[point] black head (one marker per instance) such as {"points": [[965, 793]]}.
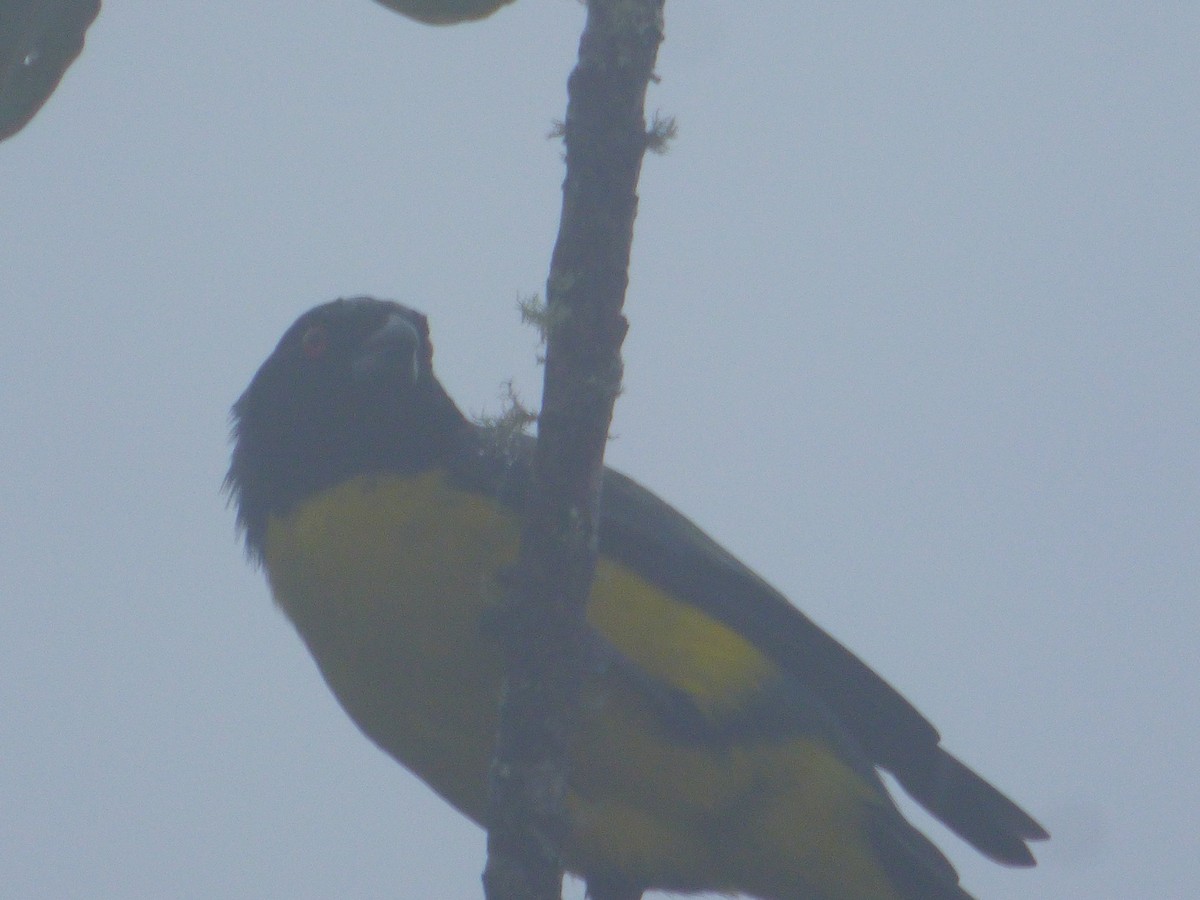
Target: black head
{"points": [[348, 391]]}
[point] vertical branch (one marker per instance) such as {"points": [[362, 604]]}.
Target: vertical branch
{"points": [[543, 629]]}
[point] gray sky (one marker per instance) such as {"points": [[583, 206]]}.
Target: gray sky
{"points": [[915, 333]]}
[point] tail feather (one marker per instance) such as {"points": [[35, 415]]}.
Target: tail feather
{"points": [[973, 809], [916, 867]]}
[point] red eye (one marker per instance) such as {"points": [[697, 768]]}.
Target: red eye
{"points": [[315, 341]]}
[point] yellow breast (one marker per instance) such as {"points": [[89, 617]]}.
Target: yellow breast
{"points": [[388, 580]]}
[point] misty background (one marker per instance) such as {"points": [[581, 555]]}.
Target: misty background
{"points": [[914, 333]]}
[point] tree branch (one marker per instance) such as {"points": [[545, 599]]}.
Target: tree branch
{"points": [[543, 627]]}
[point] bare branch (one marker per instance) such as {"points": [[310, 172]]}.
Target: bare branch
{"points": [[544, 635]]}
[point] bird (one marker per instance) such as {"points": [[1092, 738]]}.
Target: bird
{"points": [[723, 742], [445, 12]]}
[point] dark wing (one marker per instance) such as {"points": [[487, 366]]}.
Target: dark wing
{"points": [[652, 538]]}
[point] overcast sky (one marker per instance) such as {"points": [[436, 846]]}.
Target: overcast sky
{"points": [[915, 332]]}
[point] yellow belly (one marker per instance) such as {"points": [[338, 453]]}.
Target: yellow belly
{"points": [[388, 579]]}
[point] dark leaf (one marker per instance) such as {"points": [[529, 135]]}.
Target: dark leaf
{"points": [[39, 39]]}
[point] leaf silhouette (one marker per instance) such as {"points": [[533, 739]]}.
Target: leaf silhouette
{"points": [[39, 39]]}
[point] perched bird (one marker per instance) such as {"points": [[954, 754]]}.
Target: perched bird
{"points": [[445, 12], [723, 741]]}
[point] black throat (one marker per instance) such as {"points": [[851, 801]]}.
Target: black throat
{"points": [[285, 452]]}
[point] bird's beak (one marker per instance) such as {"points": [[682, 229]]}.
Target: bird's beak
{"points": [[390, 351]]}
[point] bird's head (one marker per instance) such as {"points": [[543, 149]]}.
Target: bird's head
{"points": [[349, 390]]}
